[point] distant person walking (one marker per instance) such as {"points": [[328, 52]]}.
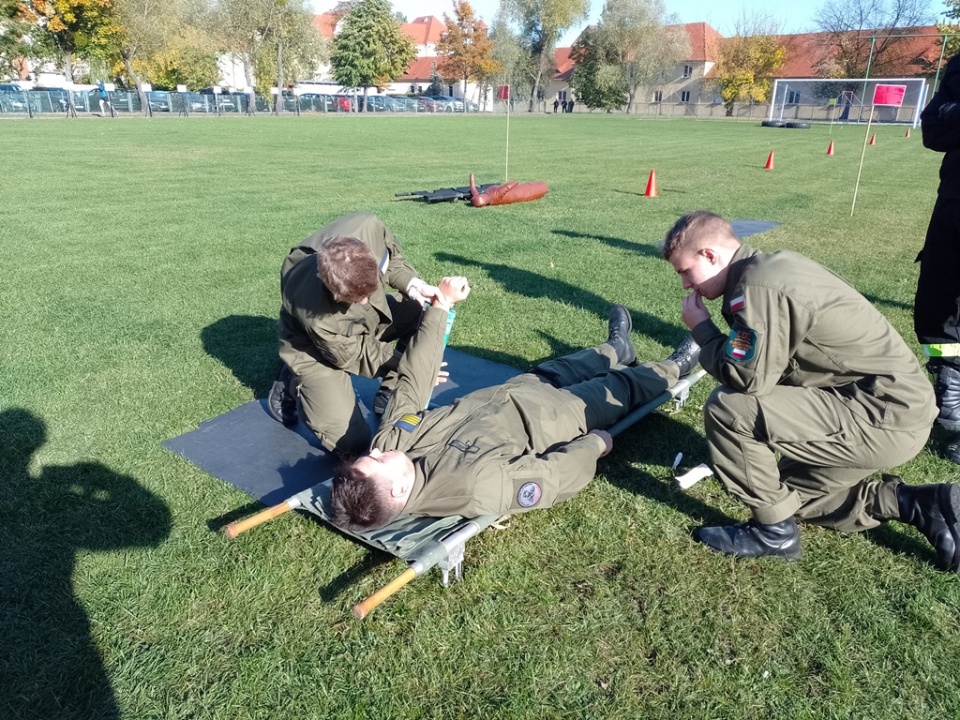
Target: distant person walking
{"points": [[556, 104], [104, 100]]}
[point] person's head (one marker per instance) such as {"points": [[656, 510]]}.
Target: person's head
{"points": [[371, 491], [700, 246], [348, 269]]}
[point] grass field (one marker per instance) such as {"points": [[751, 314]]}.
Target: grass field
{"points": [[140, 262]]}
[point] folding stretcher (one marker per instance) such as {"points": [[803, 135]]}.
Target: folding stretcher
{"points": [[425, 542]]}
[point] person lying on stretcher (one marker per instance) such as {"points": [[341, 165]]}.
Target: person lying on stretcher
{"points": [[529, 443]]}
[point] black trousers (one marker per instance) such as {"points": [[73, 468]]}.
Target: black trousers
{"points": [[936, 313]]}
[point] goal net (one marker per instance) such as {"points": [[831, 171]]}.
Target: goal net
{"points": [[844, 100]]}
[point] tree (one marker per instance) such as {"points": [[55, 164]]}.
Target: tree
{"points": [[465, 50], [148, 26], [541, 22], [642, 40], [952, 44], [597, 78], [295, 45], [509, 54], [370, 50], [849, 27], [14, 38], [188, 60], [747, 61], [436, 83], [71, 29]]}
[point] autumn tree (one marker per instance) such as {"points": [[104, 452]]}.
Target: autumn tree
{"points": [[370, 50], [951, 29], [510, 56], [15, 31], [465, 50], [148, 26], [747, 61], [851, 28], [67, 30], [189, 59], [540, 24]]}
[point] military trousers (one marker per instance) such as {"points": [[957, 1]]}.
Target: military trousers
{"points": [[803, 452], [329, 405], [607, 393]]}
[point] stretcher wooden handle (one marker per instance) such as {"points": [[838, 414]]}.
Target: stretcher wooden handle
{"points": [[235, 528], [362, 609]]}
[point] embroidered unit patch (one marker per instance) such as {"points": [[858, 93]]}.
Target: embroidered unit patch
{"points": [[738, 303], [741, 345], [529, 494], [408, 422]]}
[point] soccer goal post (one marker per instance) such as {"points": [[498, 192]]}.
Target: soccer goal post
{"points": [[844, 100]]}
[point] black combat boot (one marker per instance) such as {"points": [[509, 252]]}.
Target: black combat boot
{"points": [[933, 510], [686, 356], [947, 390], [752, 539], [621, 324], [281, 403]]}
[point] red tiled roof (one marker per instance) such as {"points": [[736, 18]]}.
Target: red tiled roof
{"points": [[424, 30], [806, 50], [704, 42], [420, 68], [326, 23]]}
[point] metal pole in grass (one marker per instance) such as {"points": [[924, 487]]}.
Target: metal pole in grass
{"points": [[506, 162]]}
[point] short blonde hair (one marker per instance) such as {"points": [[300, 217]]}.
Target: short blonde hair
{"points": [[693, 229]]}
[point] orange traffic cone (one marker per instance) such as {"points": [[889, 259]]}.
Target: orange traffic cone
{"points": [[830, 148], [907, 134], [769, 165], [651, 190], [873, 139]]}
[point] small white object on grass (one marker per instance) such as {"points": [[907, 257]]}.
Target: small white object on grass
{"points": [[691, 477]]}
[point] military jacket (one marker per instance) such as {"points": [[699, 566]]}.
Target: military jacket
{"points": [[342, 335], [510, 448], [793, 322]]}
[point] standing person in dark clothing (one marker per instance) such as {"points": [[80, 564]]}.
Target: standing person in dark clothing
{"points": [[337, 320], [817, 391], [936, 314]]}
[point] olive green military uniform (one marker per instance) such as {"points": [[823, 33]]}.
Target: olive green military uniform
{"points": [[514, 447], [323, 341], [812, 371]]}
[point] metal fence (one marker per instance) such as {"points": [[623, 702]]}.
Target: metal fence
{"points": [[161, 102]]}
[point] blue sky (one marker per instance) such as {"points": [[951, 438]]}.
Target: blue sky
{"points": [[794, 16]]}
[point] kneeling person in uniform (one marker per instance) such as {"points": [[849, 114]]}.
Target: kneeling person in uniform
{"points": [[817, 391], [337, 320], [529, 443]]}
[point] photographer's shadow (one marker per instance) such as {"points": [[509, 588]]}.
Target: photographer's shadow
{"points": [[49, 664], [247, 345]]}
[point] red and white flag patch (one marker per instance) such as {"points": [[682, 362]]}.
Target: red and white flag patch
{"points": [[738, 303]]}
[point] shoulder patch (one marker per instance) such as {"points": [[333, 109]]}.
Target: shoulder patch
{"points": [[741, 345], [529, 494], [738, 303], [408, 422]]}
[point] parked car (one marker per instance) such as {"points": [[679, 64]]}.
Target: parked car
{"points": [[447, 103], [224, 100], [160, 101], [382, 103], [430, 104], [12, 98], [318, 102], [405, 103]]}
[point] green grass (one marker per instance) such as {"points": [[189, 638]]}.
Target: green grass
{"points": [[139, 292]]}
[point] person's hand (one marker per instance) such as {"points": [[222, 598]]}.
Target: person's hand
{"points": [[607, 440], [455, 288], [694, 311], [420, 291], [443, 375]]}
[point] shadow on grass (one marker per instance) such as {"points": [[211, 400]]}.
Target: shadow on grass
{"points": [[532, 285], [899, 304], [644, 249], [655, 440], [246, 344], [49, 665]]}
